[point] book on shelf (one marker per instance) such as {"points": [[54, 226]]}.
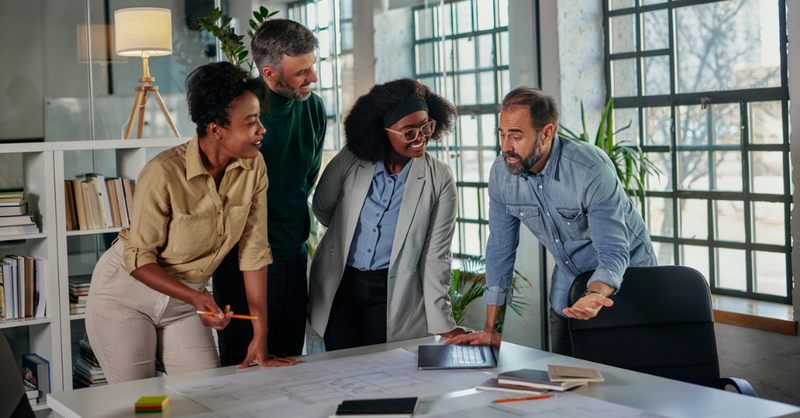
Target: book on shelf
{"points": [[78, 293], [91, 201], [18, 230], [105, 207], [121, 203], [36, 372], [493, 385], [2, 296], [14, 209], [14, 195], [112, 201], [87, 371], [30, 391], [69, 205], [15, 220], [24, 287], [78, 201], [537, 379]]}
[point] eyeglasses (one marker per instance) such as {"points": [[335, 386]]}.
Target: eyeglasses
{"points": [[411, 134]]}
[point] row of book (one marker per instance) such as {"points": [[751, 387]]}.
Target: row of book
{"points": [[98, 202], [15, 219], [23, 287], [78, 293], [87, 371]]}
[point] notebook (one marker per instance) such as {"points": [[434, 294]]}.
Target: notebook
{"points": [[431, 357]]}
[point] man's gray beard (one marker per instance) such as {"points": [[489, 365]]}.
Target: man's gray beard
{"points": [[524, 164], [285, 90]]}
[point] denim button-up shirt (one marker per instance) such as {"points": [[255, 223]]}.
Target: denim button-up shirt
{"points": [[578, 210]]}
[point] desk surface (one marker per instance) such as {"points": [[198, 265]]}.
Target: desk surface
{"points": [[654, 394]]}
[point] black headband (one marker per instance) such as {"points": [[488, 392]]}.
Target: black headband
{"points": [[212, 113], [404, 109]]}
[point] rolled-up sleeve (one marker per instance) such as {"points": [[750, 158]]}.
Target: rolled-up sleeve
{"points": [[254, 249], [607, 225], [149, 218]]}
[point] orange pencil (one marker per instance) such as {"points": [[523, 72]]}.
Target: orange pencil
{"points": [[528, 398], [232, 316]]}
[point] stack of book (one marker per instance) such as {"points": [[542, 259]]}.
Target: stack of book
{"points": [[98, 202], [78, 293], [15, 219], [31, 393], [558, 378], [23, 288], [87, 371], [36, 374]]}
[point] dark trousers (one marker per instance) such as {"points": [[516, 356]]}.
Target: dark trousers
{"points": [[358, 312], [559, 334], [287, 308]]}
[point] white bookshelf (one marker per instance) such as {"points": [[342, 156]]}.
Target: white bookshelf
{"points": [[45, 167]]}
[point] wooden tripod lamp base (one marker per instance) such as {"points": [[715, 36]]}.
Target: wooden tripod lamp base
{"points": [[142, 93]]}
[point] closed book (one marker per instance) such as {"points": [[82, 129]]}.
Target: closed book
{"points": [[14, 220], [36, 371], [10, 199], [123, 210], [112, 201], [9, 287], [573, 374], [30, 287], [20, 208], [18, 230], [69, 205], [493, 385], [40, 299], [2, 297], [392, 407], [105, 206], [92, 202], [12, 192], [80, 210], [537, 379], [127, 188]]}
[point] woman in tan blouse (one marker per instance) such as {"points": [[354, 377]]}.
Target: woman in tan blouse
{"points": [[193, 203]]}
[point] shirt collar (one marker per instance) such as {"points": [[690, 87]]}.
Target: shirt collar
{"points": [[551, 167], [194, 162], [401, 176]]}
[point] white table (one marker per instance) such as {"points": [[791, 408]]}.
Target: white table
{"points": [[658, 395]]}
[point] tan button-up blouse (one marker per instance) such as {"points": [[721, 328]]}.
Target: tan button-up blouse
{"points": [[181, 222]]}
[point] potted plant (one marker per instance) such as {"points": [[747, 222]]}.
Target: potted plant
{"points": [[231, 43]]}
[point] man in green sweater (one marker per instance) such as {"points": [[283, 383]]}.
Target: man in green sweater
{"points": [[292, 148]]}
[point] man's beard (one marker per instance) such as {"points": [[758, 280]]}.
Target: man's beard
{"points": [[285, 90], [526, 163]]}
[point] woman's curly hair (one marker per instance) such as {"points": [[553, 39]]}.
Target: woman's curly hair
{"points": [[363, 126], [209, 85]]}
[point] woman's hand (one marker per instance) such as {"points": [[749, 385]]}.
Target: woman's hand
{"points": [[455, 332], [474, 338], [220, 319], [257, 352]]}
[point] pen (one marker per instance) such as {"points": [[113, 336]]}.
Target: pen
{"points": [[528, 398], [232, 316]]}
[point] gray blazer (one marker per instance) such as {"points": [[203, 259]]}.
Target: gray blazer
{"points": [[419, 268]]}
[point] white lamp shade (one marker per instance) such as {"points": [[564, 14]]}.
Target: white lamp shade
{"points": [[143, 31]]}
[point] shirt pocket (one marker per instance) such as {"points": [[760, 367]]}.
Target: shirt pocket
{"points": [[192, 235], [237, 218], [572, 224], [528, 215]]}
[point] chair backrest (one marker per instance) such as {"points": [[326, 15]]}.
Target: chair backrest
{"points": [[661, 324]]}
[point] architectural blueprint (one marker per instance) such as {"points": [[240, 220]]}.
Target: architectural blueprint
{"points": [[381, 375]]}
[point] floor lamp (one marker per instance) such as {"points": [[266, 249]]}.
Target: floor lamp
{"points": [[144, 32]]}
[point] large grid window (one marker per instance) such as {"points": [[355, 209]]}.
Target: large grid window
{"points": [[704, 85], [331, 22], [461, 52]]}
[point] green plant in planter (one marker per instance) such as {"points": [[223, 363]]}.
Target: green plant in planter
{"points": [[469, 282], [629, 160], [231, 43]]}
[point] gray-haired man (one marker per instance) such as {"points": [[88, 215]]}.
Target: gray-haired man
{"points": [[292, 148]]}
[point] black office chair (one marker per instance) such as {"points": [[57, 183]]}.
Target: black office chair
{"points": [[661, 324]]}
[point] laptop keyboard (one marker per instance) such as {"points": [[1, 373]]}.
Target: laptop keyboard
{"points": [[467, 354]]}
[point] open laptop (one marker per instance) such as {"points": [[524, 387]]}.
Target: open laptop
{"points": [[462, 356]]}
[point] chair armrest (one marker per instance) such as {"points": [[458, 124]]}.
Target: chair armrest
{"points": [[742, 386]]}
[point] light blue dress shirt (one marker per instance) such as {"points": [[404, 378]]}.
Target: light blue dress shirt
{"points": [[578, 210], [371, 247]]}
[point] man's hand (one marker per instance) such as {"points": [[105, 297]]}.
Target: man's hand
{"points": [[473, 338], [257, 352], [589, 305], [457, 331]]}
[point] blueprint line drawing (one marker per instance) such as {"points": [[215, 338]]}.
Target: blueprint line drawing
{"points": [[381, 375]]}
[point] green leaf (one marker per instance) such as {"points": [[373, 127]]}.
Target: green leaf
{"points": [[250, 33], [272, 14], [227, 22], [256, 15], [264, 11], [583, 121], [240, 49], [242, 56], [253, 25]]}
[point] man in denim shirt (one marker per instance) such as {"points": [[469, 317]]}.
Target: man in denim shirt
{"points": [[568, 194]]}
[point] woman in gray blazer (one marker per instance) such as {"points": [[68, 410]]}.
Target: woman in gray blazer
{"points": [[382, 270]]}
